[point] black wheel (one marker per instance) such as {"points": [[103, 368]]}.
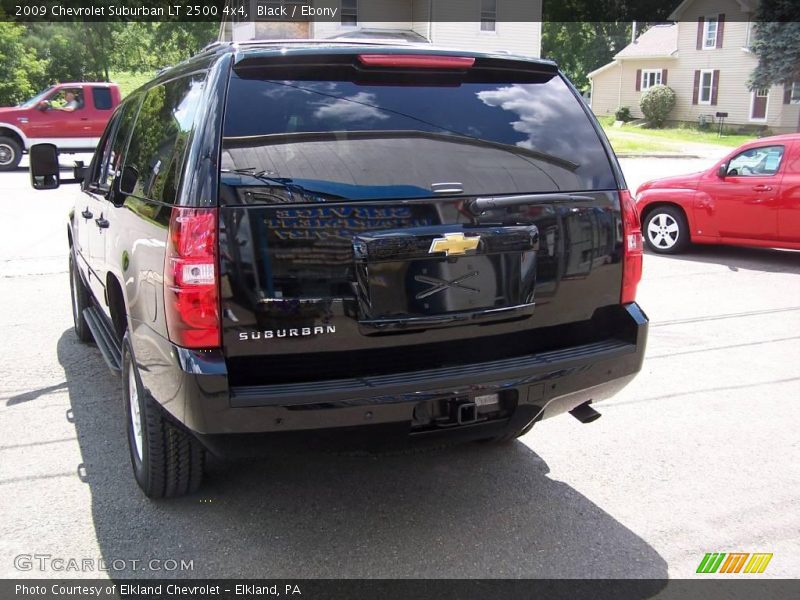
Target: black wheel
{"points": [[80, 301], [665, 230], [167, 461], [10, 153]]}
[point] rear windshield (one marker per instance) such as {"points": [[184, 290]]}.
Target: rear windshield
{"points": [[316, 139]]}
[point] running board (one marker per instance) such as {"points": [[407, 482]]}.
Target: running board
{"points": [[105, 338]]}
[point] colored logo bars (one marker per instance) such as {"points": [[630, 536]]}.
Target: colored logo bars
{"points": [[734, 562]]}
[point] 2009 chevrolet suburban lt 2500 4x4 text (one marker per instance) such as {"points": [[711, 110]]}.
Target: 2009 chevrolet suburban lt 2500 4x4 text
{"points": [[71, 116], [289, 241]]}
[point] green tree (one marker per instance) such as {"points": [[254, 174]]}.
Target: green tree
{"points": [[776, 43], [656, 104], [22, 74], [581, 47]]}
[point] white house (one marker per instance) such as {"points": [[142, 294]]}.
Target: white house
{"points": [[704, 56], [486, 25]]}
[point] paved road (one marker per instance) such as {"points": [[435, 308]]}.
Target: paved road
{"points": [[699, 454]]}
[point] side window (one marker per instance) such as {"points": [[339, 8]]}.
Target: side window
{"points": [[158, 145], [102, 98], [755, 162], [113, 164], [102, 153], [67, 99]]}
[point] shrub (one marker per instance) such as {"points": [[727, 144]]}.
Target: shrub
{"points": [[623, 114], [656, 103]]}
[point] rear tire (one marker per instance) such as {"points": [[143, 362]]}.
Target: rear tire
{"points": [[10, 154], [80, 301], [665, 230], [167, 461]]}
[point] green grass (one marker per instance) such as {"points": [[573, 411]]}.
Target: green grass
{"points": [[691, 134], [129, 81], [637, 139]]}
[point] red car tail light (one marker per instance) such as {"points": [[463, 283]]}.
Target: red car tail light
{"points": [[416, 61], [631, 247], [191, 297]]}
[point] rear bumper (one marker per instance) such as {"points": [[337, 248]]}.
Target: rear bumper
{"points": [[541, 386]]}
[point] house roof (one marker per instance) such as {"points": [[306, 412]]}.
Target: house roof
{"points": [[658, 41], [747, 6]]}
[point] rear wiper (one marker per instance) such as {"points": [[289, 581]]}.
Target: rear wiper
{"points": [[481, 205]]}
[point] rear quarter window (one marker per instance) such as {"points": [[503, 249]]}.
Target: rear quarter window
{"points": [[335, 137], [102, 98], [160, 137]]}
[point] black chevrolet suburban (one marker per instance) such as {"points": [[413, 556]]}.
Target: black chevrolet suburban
{"points": [[289, 243]]}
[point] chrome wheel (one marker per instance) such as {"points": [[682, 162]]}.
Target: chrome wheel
{"points": [[663, 231], [136, 417], [6, 155]]}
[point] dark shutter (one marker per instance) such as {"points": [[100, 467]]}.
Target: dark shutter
{"points": [[700, 21], [714, 87], [663, 77], [720, 29], [696, 91], [787, 92], [638, 79]]}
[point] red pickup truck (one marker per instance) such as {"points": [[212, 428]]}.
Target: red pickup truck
{"points": [[70, 115]]}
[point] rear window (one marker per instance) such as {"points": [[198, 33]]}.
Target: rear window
{"points": [[102, 98], [334, 138]]}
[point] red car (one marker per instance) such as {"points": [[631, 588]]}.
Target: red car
{"points": [[749, 198], [70, 115]]}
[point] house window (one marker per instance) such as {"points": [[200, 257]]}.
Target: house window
{"points": [[706, 85], [488, 15], [650, 77], [349, 13], [795, 97], [710, 27]]}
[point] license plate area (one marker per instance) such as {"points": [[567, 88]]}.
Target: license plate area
{"points": [[405, 279]]}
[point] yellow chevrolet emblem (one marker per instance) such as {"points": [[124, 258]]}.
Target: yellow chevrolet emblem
{"points": [[454, 244]]}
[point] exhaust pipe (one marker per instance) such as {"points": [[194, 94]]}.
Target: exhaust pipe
{"points": [[585, 413]]}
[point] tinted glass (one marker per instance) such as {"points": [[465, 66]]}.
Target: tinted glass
{"points": [[102, 98], [160, 137], [335, 138], [113, 163]]}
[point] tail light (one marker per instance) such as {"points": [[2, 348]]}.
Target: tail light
{"points": [[631, 248], [191, 297], [416, 61]]}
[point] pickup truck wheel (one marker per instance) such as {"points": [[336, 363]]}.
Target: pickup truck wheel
{"points": [[80, 301], [167, 461], [666, 230], [10, 154]]}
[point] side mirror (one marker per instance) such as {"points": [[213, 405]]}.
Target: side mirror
{"points": [[722, 172], [45, 174], [79, 171], [43, 105], [124, 185]]}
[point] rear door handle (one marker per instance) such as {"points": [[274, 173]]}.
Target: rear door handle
{"points": [[762, 188], [86, 214], [102, 223]]}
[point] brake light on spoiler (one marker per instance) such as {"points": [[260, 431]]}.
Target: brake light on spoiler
{"points": [[416, 61], [631, 247]]}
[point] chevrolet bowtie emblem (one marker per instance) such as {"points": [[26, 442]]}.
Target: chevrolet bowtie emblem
{"points": [[454, 244]]}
